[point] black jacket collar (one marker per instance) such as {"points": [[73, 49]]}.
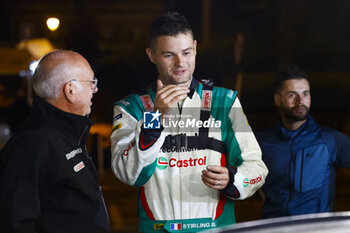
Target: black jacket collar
{"points": [[73, 124]]}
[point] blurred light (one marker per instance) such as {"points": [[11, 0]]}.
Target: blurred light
{"points": [[52, 23], [33, 66], [22, 73]]}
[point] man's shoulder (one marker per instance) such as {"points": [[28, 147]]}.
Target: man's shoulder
{"points": [[127, 100], [135, 104], [35, 129], [224, 93], [30, 138], [212, 84], [331, 132], [327, 129], [135, 97], [222, 89]]}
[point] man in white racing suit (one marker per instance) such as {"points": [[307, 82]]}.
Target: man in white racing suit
{"points": [[185, 143]]}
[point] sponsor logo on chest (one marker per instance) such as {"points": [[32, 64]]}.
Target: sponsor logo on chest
{"points": [[79, 166], [73, 153], [147, 102], [206, 100], [163, 163]]}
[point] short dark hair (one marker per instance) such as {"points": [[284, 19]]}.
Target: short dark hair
{"points": [[170, 24], [289, 72]]}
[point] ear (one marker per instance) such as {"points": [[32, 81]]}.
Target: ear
{"points": [[195, 47], [69, 91], [149, 54], [277, 98]]}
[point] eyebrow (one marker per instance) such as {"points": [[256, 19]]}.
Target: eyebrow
{"points": [[164, 52], [189, 48], [297, 91]]}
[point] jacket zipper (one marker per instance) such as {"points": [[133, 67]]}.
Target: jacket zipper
{"points": [[291, 168], [81, 136], [301, 172]]}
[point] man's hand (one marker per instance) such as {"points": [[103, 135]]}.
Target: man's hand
{"points": [[168, 96], [215, 177]]}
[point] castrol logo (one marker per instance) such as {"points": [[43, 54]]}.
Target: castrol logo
{"points": [[163, 163], [247, 182]]}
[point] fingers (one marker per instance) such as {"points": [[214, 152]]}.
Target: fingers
{"points": [[168, 96], [219, 185], [166, 90], [172, 91], [215, 184], [215, 177], [217, 169], [160, 85]]}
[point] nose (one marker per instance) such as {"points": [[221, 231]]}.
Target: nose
{"points": [[299, 100], [94, 90], [178, 60]]}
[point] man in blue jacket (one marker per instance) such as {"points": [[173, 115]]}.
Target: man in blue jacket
{"points": [[300, 154]]}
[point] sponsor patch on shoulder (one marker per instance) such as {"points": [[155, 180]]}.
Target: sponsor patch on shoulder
{"points": [[117, 117], [116, 127], [79, 166]]}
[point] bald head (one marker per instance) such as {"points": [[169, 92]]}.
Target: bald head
{"points": [[65, 79], [54, 70]]}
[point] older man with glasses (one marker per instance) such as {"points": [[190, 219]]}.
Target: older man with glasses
{"points": [[48, 182]]}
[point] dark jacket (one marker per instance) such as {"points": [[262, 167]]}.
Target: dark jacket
{"points": [[48, 182], [301, 167]]}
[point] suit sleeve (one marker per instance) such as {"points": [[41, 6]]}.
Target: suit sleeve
{"points": [[134, 150], [245, 154]]}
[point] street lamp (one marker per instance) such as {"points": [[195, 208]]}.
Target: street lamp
{"points": [[52, 23]]}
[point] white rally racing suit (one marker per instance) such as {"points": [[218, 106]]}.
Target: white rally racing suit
{"points": [[172, 196]]}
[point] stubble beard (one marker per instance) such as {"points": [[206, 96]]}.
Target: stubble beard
{"points": [[171, 80], [295, 117]]}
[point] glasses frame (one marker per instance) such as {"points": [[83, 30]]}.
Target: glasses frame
{"points": [[94, 82]]}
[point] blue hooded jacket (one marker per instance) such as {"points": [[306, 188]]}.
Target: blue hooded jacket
{"points": [[301, 167]]}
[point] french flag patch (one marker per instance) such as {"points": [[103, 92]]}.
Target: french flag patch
{"points": [[175, 226]]}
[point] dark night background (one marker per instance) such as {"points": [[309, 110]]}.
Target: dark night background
{"points": [[113, 36]]}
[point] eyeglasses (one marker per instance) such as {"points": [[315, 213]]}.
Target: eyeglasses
{"points": [[93, 82]]}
